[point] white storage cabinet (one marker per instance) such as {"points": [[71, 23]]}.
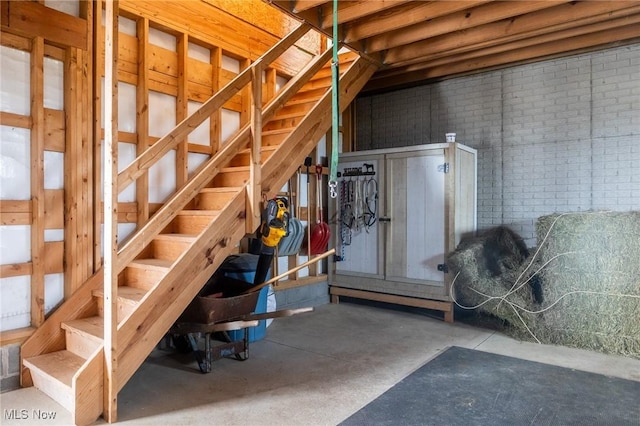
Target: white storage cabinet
{"points": [[398, 212]]}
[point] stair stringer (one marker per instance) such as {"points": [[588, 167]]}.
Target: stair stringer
{"points": [[316, 123], [139, 333], [88, 390]]}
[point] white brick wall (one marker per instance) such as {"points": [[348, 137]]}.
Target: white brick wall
{"points": [[554, 136]]}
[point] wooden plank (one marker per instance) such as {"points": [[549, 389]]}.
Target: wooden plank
{"points": [[13, 40], [37, 182], [33, 19], [15, 120], [54, 130], [402, 16], [54, 262], [88, 390], [215, 120], [97, 132], [15, 270], [392, 298], [17, 335], [353, 10], [54, 208], [142, 118], [182, 109], [15, 212], [254, 191], [459, 21], [110, 387]]}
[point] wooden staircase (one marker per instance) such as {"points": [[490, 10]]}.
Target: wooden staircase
{"points": [[166, 262]]}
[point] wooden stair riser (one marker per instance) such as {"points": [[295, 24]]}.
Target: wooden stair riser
{"points": [[284, 123], [56, 390], [244, 158], [187, 224], [211, 200], [123, 308], [235, 178], [53, 374], [168, 248], [140, 278], [81, 345], [275, 138]]}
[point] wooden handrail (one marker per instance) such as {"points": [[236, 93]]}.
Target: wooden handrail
{"points": [[155, 152]]}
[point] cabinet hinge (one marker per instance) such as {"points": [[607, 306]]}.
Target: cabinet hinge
{"points": [[443, 168]]}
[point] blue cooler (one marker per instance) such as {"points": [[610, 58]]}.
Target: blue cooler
{"points": [[243, 267]]}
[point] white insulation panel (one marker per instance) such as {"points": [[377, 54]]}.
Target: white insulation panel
{"points": [[53, 84], [230, 123], [15, 244], [15, 89], [53, 170], [70, 7], [126, 107], [15, 170], [201, 135], [199, 53], [15, 293], [53, 291], [162, 39]]}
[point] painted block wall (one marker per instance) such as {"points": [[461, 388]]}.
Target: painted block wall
{"points": [[554, 136]]}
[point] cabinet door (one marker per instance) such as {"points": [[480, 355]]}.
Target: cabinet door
{"points": [[416, 208], [358, 237]]}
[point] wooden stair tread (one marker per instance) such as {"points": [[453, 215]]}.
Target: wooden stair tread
{"points": [[288, 115], [224, 188], [91, 327], [60, 365], [212, 213], [128, 294], [264, 148], [177, 237], [278, 131], [151, 264]]}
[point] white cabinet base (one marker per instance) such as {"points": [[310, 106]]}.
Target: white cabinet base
{"points": [[445, 307]]}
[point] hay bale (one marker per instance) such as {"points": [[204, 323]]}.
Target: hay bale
{"points": [[589, 267], [486, 268], [594, 274]]}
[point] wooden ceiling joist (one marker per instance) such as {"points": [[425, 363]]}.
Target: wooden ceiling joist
{"points": [[412, 39]]}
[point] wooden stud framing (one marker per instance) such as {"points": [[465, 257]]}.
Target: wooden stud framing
{"points": [[215, 131], [254, 208], [37, 181], [110, 212], [182, 109], [142, 117]]}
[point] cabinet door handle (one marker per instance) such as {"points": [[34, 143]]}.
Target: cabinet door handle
{"points": [[384, 219]]}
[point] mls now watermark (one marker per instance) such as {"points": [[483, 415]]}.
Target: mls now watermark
{"points": [[24, 414]]}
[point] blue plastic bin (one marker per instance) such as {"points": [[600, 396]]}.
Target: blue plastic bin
{"points": [[243, 267]]}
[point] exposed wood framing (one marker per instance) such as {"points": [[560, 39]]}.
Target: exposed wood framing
{"points": [[182, 109], [142, 118], [37, 182], [110, 387]]}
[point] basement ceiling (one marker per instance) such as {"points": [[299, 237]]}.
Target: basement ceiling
{"points": [[414, 41]]}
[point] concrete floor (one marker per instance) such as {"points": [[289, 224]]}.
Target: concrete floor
{"points": [[312, 369]]}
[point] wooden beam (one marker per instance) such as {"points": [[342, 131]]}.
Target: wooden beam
{"points": [[587, 42], [215, 119], [15, 120], [521, 27], [182, 109], [402, 16], [15, 270], [32, 19], [353, 10], [17, 335], [458, 21], [526, 43], [142, 117], [110, 213], [15, 212], [254, 195], [535, 23], [37, 182]]}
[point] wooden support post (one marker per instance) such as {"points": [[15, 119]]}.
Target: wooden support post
{"points": [[142, 116], [216, 118], [182, 154], [255, 174], [270, 81], [37, 181], [110, 211], [98, 61]]}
